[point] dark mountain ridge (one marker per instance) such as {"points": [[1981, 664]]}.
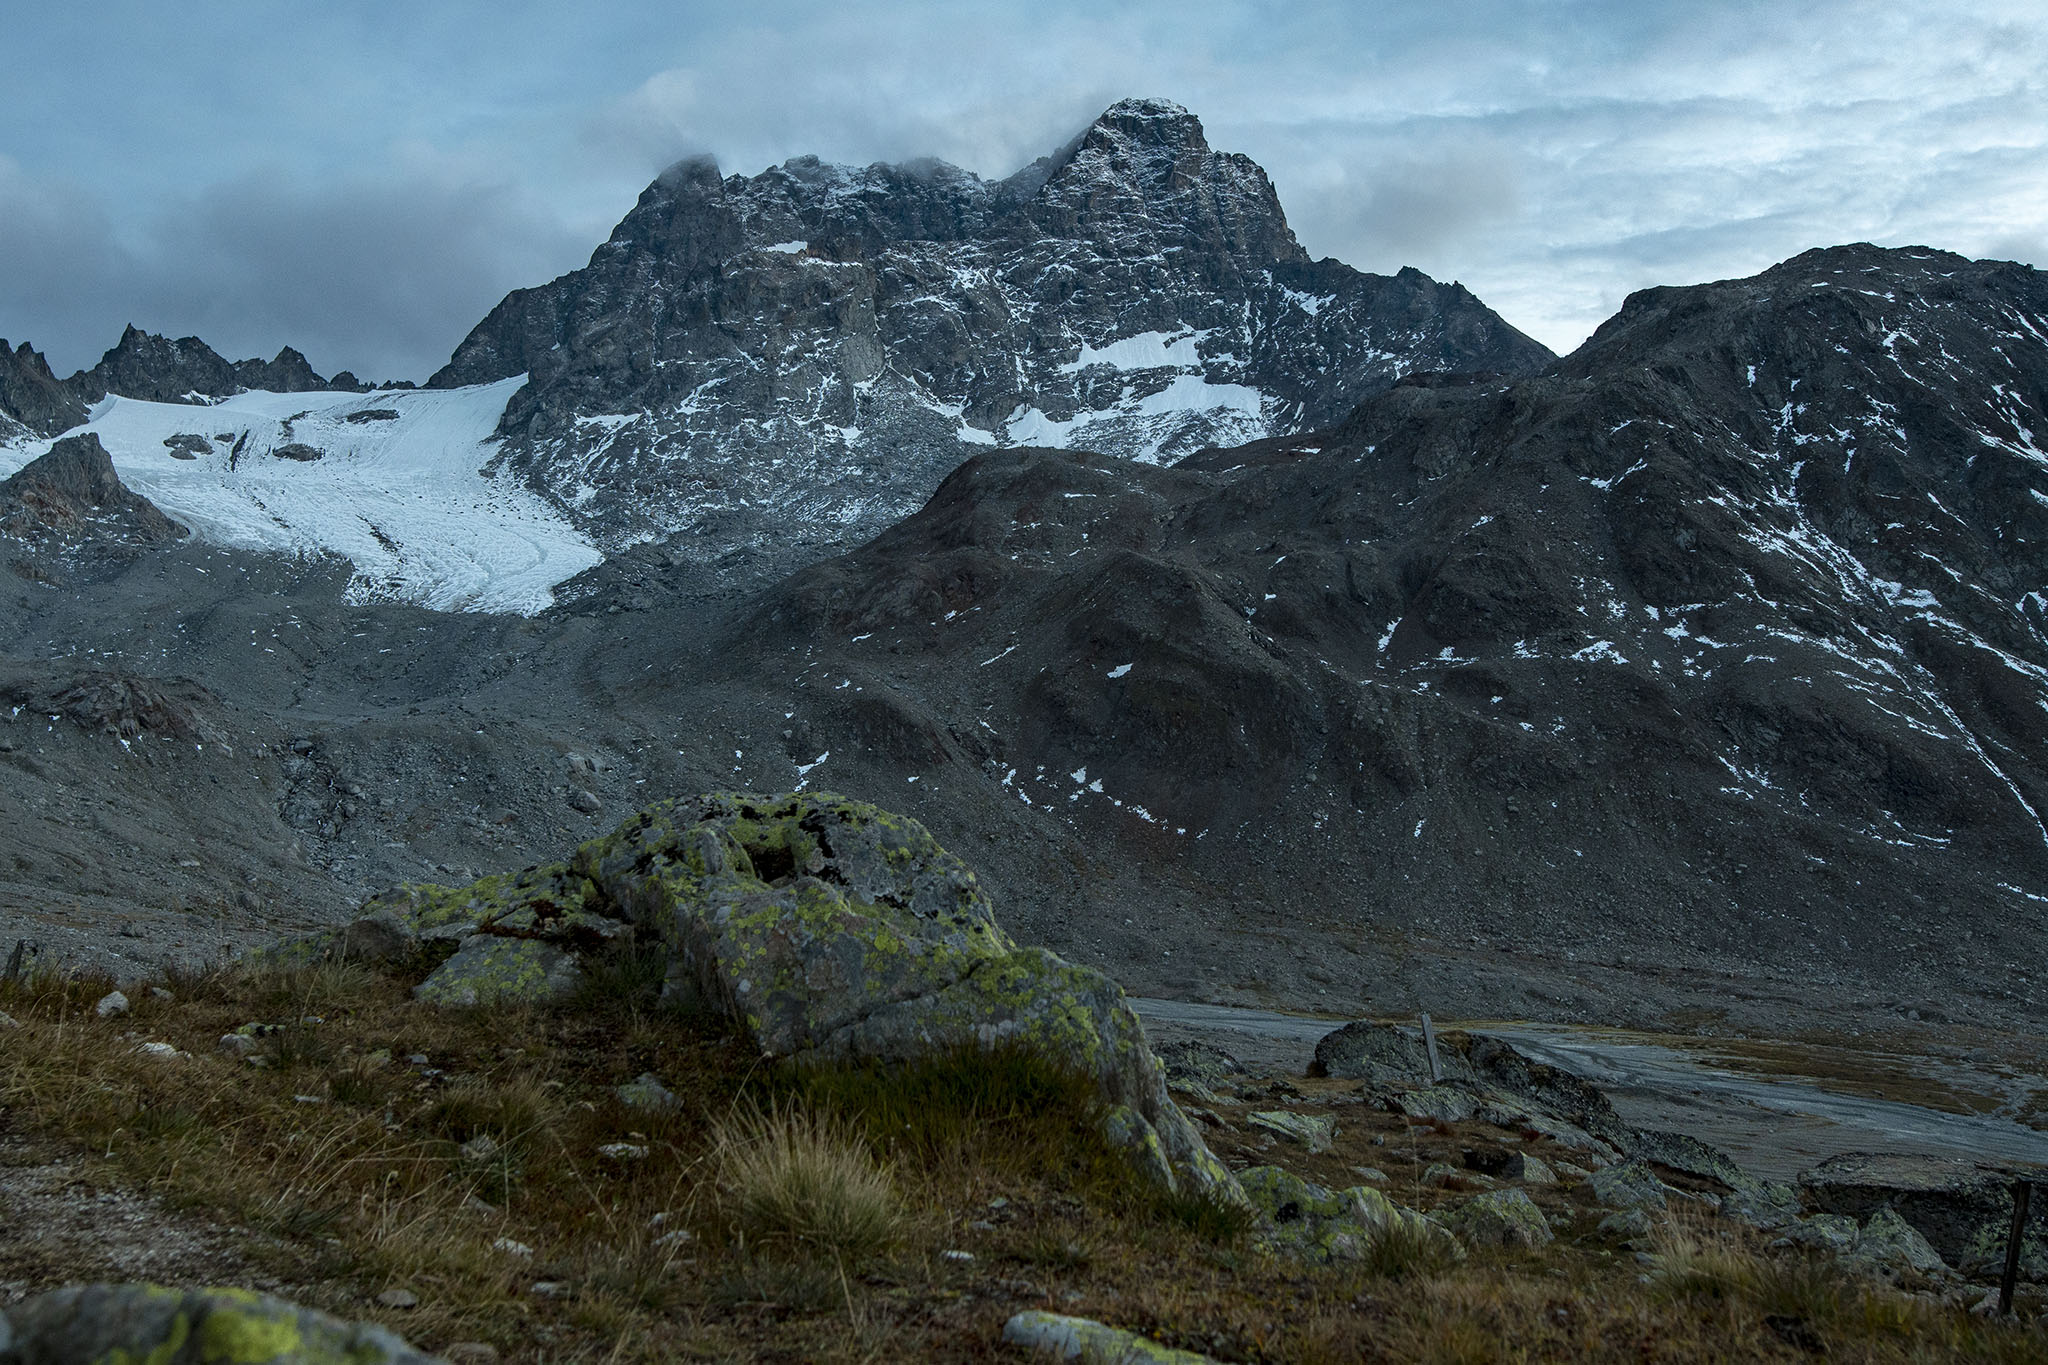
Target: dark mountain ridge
{"points": [[1717, 646]]}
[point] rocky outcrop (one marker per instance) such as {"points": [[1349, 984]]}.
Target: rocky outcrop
{"points": [[823, 928], [1962, 1210], [1480, 1072], [32, 397], [143, 1322], [143, 365], [158, 370], [287, 372], [72, 492], [812, 349], [1499, 1218]]}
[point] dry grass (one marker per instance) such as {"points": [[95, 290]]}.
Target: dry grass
{"points": [[792, 1179], [806, 1216]]}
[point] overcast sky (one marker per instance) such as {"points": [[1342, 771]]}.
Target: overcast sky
{"points": [[364, 180]]}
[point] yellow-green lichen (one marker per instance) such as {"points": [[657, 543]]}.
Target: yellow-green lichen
{"points": [[247, 1333], [164, 1353]]}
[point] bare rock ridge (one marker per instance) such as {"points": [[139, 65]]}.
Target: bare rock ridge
{"points": [[146, 366], [72, 492], [1721, 644], [806, 352]]}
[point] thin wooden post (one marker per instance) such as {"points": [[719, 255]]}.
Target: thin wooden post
{"points": [[1436, 1066], [2022, 1191]]}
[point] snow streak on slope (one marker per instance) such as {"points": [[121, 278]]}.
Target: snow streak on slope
{"points": [[392, 480]]}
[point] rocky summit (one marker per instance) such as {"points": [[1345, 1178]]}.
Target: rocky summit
{"points": [[784, 364]]}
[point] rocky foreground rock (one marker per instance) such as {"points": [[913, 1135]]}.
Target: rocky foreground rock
{"points": [[823, 928], [152, 1325]]}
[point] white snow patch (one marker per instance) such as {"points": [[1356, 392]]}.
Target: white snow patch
{"points": [[787, 248], [405, 500], [1310, 304], [1119, 671], [1145, 351]]}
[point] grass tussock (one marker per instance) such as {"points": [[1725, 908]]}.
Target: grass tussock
{"points": [[795, 1179]]}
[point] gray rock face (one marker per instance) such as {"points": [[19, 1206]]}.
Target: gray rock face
{"points": [[812, 349], [105, 1322]]}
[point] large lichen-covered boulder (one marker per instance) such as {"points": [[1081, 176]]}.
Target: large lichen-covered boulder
{"points": [[825, 929], [119, 1324]]}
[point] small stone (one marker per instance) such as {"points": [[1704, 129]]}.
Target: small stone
{"points": [[587, 802], [1316, 1132], [111, 1004], [549, 1289], [1890, 1242], [1530, 1170], [676, 1238], [158, 993], [480, 1207], [1628, 1224], [8, 1023], [1833, 1233], [1632, 1185], [1438, 1174], [235, 1044], [399, 1298], [162, 1050], [1500, 1218], [1371, 1175], [512, 1248], [956, 1255], [623, 1151], [647, 1092], [1054, 1336], [482, 1147]]}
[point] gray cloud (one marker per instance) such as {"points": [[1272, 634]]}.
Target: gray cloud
{"points": [[375, 191]]}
